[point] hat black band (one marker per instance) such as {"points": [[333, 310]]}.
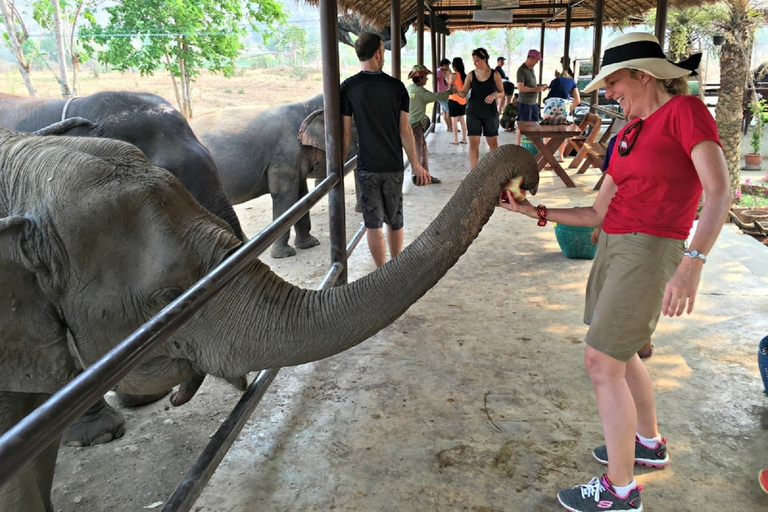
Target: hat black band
{"points": [[632, 51]]}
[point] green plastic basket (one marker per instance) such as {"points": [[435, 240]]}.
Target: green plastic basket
{"points": [[527, 144], [575, 241]]}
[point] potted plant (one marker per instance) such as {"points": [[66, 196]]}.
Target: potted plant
{"points": [[755, 158]]}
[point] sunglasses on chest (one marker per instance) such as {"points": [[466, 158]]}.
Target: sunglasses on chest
{"points": [[629, 137]]}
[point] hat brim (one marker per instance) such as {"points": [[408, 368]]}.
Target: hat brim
{"points": [[658, 68]]}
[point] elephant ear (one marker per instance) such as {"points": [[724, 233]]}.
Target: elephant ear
{"points": [[312, 130], [34, 357]]}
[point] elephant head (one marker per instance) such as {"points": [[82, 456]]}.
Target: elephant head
{"points": [[312, 139]]}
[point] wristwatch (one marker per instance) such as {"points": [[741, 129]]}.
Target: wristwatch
{"points": [[693, 253]]}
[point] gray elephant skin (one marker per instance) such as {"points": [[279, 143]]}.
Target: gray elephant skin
{"points": [[270, 151], [94, 240], [145, 120], [164, 136]]}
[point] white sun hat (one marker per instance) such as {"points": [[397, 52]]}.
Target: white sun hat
{"points": [[638, 50]]}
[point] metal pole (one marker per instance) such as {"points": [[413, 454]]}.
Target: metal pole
{"points": [[333, 141], [395, 32]]}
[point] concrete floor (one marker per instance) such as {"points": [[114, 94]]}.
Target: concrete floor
{"points": [[477, 398]]}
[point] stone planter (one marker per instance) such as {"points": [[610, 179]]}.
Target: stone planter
{"points": [[760, 215], [753, 159], [738, 211]]}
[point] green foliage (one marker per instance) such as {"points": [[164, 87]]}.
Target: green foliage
{"points": [[290, 40], [182, 37], [691, 29], [760, 113]]}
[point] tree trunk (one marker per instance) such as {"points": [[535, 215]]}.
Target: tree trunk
{"points": [[23, 65], [729, 110], [62, 55]]}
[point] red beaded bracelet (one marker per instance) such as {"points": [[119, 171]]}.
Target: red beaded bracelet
{"points": [[541, 211]]}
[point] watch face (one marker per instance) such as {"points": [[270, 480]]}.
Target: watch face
{"points": [[694, 253]]}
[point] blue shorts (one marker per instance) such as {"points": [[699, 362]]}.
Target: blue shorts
{"points": [[527, 112], [443, 105]]}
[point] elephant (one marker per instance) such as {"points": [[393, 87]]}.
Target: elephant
{"points": [[164, 136], [270, 151], [145, 120], [94, 240]]}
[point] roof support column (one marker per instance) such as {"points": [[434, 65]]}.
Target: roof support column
{"points": [[420, 32], [567, 43], [394, 27], [433, 39], [541, 63], [329, 44], [597, 45], [661, 20]]}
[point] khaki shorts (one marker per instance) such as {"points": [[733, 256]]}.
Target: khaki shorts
{"points": [[625, 290]]}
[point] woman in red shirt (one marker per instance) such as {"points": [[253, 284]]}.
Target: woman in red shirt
{"points": [[662, 162]]}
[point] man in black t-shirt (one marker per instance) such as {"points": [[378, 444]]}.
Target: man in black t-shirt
{"points": [[379, 105]]}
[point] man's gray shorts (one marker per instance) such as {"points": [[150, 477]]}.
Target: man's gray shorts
{"points": [[381, 198]]}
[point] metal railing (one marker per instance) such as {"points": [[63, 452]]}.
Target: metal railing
{"points": [[43, 426]]}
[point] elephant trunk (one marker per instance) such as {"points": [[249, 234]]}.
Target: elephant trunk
{"points": [[300, 326]]}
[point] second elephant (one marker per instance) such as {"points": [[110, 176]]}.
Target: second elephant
{"points": [[270, 151]]}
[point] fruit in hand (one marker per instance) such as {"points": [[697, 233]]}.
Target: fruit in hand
{"points": [[513, 186]]}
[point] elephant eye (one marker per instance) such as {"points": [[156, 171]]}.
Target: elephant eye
{"points": [[163, 297]]}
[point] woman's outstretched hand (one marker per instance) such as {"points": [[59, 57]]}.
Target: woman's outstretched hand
{"points": [[507, 201]]}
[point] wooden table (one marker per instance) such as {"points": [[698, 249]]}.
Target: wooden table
{"points": [[556, 134]]}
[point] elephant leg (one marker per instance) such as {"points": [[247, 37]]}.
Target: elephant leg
{"points": [[304, 240], [99, 424], [281, 201], [30, 488]]}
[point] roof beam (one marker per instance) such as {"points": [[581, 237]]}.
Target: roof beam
{"points": [[460, 18], [449, 8]]}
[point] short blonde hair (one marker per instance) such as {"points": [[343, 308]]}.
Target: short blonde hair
{"points": [[673, 86]]}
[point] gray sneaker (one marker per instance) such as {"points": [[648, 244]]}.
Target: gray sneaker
{"points": [[599, 496], [651, 456]]}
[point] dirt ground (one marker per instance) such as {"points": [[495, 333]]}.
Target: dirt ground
{"points": [[475, 399]]}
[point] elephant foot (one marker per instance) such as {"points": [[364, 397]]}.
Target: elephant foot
{"points": [[282, 251], [128, 400], [99, 424], [305, 242]]}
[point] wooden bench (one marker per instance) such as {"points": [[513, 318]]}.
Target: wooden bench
{"points": [[596, 151], [592, 124]]}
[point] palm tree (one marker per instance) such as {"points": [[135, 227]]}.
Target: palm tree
{"points": [[739, 29]]}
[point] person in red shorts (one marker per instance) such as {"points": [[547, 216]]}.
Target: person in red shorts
{"points": [[664, 160]]}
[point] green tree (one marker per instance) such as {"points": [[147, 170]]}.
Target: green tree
{"points": [[16, 37], [292, 41], [183, 37], [72, 14]]}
